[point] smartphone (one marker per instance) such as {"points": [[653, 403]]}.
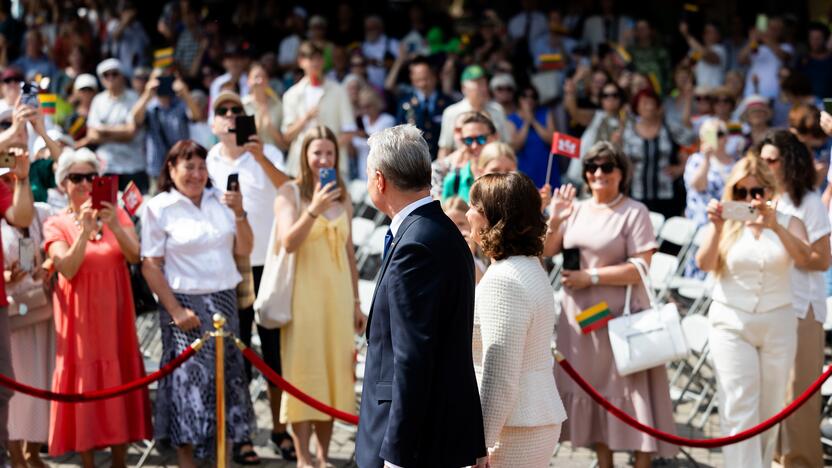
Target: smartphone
{"points": [[738, 211], [7, 160], [29, 94], [327, 175], [26, 254], [827, 105], [165, 86], [233, 183], [571, 259], [711, 138], [244, 127], [762, 23], [104, 189]]}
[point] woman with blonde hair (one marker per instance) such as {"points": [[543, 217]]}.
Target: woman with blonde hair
{"points": [[316, 347], [496, 158], [753, 332]]}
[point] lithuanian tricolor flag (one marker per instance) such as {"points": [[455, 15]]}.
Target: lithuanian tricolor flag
{"points": [[594, 318], [163, 58], [551, 62], [48, 103]]}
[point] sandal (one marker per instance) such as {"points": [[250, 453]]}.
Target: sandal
{"points": [[288, 453], [248, 457]]}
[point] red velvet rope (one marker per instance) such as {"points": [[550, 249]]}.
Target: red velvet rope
{"points": [[703, 443], [287, 387], [99, 394]]}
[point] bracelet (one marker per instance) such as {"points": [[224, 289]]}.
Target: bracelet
{"points": [[242, 217], [311, 214]]}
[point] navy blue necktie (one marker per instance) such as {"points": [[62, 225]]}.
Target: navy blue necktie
{"points": [[388, 240]]}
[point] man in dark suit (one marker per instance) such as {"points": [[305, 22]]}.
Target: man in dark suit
{"points": [[424, 103], [420, 405]]}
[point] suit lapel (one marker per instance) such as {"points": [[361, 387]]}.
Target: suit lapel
{"points": [[411, 218]]}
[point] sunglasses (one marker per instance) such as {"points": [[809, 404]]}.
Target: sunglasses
{"points": [[480, 139], [234, 110], [112, 74], [11, 80], [721, 134], [5, 125], [503, 88], [742, 193], [724, 100], [606, 167], [609, 95], [703, 98], [77, 178]]}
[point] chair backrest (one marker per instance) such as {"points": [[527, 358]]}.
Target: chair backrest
{"points": [[657, 220], [662, 267], [375, 243], [358, 191], [361, 230], [695, 328], [678, 230]]}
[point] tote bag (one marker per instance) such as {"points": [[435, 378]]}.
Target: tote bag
{"points": [[273, 306], [649, 338]]}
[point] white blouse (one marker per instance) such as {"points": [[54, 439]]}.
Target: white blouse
{"points": [[757, 272], [515, 311], [196, 242]]}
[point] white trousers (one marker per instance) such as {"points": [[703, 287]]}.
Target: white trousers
{"points": [[752, 354]]}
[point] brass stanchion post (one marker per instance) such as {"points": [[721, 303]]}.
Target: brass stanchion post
{"points": [[219, 322]]}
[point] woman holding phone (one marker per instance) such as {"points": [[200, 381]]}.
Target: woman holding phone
{"points": [[753, 332], [606, 230], [96, 343], [316, 347]]}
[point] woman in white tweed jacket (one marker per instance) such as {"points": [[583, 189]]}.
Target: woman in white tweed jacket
{"points": [[515, 310]]}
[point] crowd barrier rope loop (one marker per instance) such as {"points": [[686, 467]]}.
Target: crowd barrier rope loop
{"points": [[287, 387], [683, 441], [106, 393]]}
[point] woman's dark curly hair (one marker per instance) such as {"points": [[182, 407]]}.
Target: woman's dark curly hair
{"points": [[511, 204], [797, 165]]}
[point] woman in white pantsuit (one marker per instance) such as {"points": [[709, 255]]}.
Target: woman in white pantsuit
{"points": [[753, 333], [515, 311]]}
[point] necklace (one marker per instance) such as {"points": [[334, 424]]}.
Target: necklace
{"points": [[93, 237], [610, 204]]}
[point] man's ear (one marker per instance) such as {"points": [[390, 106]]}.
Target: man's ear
{"points": [[381, 182]]}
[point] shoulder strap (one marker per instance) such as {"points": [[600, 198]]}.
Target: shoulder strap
{"points": [[644, 274]]}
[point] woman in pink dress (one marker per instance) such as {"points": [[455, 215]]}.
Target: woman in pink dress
{"points": [[96, 339]]}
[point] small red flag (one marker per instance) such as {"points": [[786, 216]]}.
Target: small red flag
{"points": [[132, 198], [566, 145]]}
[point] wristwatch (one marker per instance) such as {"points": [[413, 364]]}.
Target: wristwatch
{"points": [[242, 217], [593, 276]]}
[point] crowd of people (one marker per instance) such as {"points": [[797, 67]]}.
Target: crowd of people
{"points": [[436, 112]]}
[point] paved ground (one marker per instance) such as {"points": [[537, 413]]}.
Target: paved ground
{"points": [[342, 446]]}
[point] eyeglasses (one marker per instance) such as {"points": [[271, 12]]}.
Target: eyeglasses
{"points": [[609, 95], [771, 161], [5, 125], [721, 134], [12, 80], [480, 139], [77, 178], [703, 98], [234, 110], [742, 193], [606, 167]]}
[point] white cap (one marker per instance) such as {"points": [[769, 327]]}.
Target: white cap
{"points": [[109, 64], [85, 80], [502, 79], [55, 134]]}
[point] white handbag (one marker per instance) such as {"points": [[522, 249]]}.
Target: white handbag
{"points": [[273, 305], [646, 339]]}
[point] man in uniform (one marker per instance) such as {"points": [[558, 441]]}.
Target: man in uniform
{"points": [[424, 104]]}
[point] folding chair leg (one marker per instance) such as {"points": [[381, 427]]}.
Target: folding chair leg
{"points": [[146, 454]]}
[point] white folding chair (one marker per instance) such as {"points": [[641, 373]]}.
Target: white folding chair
{"points": [[361, 230], [358, 191], [662, 267], [698, 389], [366, 288], [657, 220], [678, 231]]}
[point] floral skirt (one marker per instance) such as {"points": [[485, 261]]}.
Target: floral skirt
{"points": [[186, 399]]}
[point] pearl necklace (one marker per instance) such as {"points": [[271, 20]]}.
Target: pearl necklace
{"points": [[98, 233], [611, 204]]}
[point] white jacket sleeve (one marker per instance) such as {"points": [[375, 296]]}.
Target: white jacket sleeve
{"points": [[504, 321]]}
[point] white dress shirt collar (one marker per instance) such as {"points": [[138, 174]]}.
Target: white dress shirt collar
{"points": [[399, 218]]}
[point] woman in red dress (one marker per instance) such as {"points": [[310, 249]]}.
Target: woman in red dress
{"points": [[96, 339]]}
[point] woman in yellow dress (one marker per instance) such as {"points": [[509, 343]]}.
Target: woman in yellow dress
{"points": [[316, 347]]}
